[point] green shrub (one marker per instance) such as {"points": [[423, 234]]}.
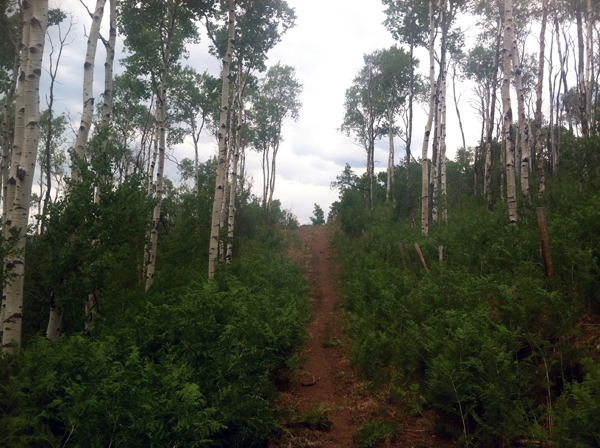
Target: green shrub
{"points": [[374, 433], [193, 366], [576, 415]]}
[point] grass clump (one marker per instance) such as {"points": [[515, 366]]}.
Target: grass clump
{"points": [[374, 433], [317, 417]]}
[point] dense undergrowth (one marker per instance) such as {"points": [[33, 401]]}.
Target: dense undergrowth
{"points": [[485, 339], [189, 367], [189, 363]]}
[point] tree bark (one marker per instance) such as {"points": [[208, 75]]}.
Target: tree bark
{"points": [[234, 170], [538, 103], [523, 128], [509, 138], [411, 96], [490, 127], [442, 99], [562, 66], [8, 140], [222, 134], [581, 71], [161, 104], [18, 217], [432, 93], [88, 86], [273, 166], [589, 69], [108, 65], [390, 167]]}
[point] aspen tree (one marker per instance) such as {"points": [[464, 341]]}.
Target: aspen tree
{"points": [[562, 60], [18, 138], [280, 93], [442, 99], [91, 302], [435, 151], [234, 170], [7, 137], [393, 80], [390, 167], [509, 137], [18, 217], [55, 318], [371, 134], [432, 94], [589, 68], [407, 22], [221, 135], [364, 110], [108, 64], [88, 85], [538, 104], [492, 108], [161, 100], [411, 95], [8, 140], [443, 179], [581, 79], [523, 128]]}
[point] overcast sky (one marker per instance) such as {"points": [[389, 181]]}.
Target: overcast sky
{"points": [[326, 47]]}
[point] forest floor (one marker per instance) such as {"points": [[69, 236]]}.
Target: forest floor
{"points": [[330, 399]]}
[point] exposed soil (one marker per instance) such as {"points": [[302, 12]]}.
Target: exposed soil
{"points": [[327, 386]]}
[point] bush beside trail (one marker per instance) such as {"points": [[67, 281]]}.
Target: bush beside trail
{"points": [[484, 338]]}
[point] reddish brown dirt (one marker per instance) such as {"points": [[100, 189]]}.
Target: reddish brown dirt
{"points": [[326, 377]]}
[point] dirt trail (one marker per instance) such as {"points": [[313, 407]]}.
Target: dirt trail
{"points": [[326, 377]]}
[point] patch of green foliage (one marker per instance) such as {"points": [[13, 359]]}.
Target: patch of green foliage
{"points": [[576, 413], [484, 338], [318, 417], [318, 217], [375, 433], [193, 367], [188, 363]]}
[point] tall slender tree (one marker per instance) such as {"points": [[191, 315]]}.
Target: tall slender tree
{"points": [[393, 66], [33, 40], [432, 97], [407, 21], [154, 49], [364, 112], [538, 103], [88, 85], [213, 255], [509, 137]]}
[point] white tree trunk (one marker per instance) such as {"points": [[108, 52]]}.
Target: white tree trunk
{"points": [[88, 86], [443, 146], [390, 167], [424, 164], [509, 137], [234, 170], [583, 93], [161, 114], [273, 167], [590, 59], [19, 133], [108, 65], [213, 254], [523, 128], [15, 262], [538, 104], [161, 106]]}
